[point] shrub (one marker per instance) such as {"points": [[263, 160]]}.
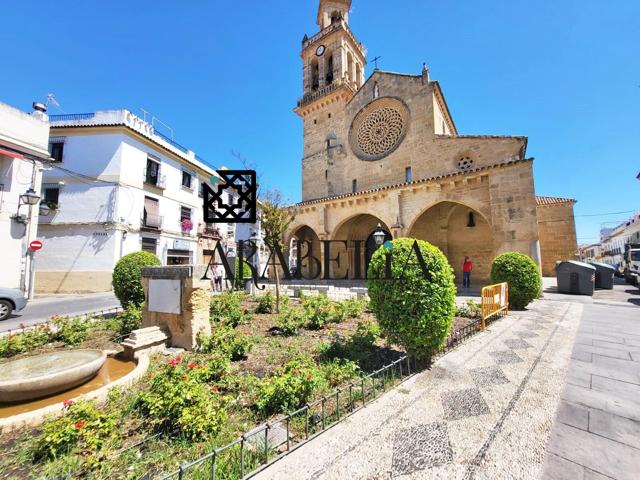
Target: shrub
{"points": [[227, 308], [354, 308], [83, 428], [129, 320], [522, 275], [266, 303], [290, 387], [225, 340], [319, 311], [339, 371], [414, 308], [470, 309], [71, 330], [26, 341], [178, 398], [290, 320], [240, 278], [127, 277], [358, 347]]}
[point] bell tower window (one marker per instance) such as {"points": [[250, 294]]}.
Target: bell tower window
{"points": [[315, 75], [329, 70]]}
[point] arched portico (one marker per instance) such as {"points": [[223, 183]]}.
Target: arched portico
{"points": [[310, 243], [458, 231], [356, 228]]}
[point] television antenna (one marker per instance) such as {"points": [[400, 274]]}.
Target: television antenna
{"points": [[51, 100]]}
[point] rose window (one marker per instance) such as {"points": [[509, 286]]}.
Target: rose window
{"points": [[379, 129], [465, 163]]}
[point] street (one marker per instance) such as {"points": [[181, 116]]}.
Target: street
{"points": [[42, 307]]}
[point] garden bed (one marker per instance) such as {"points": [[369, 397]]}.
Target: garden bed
{"points": [[255, 368]]}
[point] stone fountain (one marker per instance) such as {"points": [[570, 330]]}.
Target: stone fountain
{"points": [[43, 375]]}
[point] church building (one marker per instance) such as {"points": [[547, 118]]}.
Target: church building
{"points": [[385, 151]]}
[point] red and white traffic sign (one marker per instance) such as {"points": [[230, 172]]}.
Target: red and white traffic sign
{"points": [[35, 245]]}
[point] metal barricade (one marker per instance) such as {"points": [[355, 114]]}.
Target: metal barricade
{"points": [[495, 301]]}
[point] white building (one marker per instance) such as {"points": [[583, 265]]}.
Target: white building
{"points": [[23, 145], [118, 186], [612, 245]]}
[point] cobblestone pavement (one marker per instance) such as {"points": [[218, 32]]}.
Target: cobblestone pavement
{"points": [[482, 411], [597, 429]]}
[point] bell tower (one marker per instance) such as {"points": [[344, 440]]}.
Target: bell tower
{"points": [[333, 62]]}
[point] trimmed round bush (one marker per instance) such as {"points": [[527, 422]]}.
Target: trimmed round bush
{"points": [[127, 277], [522, 275], [413, 309]]}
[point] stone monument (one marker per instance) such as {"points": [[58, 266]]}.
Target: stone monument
{"points": [[177, 302]]}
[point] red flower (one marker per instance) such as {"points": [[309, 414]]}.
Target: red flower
{"points": [[214, 389], [309, 376], [79, 424], [192, 366], [67, 403], [179, 359], [173, 362]]}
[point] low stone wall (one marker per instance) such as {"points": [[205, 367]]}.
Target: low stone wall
{"points": [[331, 291]]}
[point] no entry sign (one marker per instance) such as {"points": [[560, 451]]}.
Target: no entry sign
{"points": [[35, 245]]}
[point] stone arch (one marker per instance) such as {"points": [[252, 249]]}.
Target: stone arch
{"points": [[447, 225], [357, 227], [305, 233]]}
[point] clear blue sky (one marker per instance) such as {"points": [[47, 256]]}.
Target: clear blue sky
{"points": [[226, 76]]}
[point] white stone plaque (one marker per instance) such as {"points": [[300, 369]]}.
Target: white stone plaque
{"points": [[164, 296]]}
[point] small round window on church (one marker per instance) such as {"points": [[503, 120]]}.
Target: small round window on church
{"points": [[465, 163], [379, 128]]}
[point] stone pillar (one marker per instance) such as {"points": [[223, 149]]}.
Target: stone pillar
{"points": [[178, 302]]}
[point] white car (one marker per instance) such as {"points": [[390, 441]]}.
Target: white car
{"points": [[11, 299]]}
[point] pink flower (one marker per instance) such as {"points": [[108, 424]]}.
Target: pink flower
{"points": [[173, 362], [67, 403], [79, 424]]}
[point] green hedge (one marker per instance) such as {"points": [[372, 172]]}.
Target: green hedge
{"points": [[413, 310], [522, 275], [127, 277]]}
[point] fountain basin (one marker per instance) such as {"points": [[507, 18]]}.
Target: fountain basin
{"points": [[49, 373]]}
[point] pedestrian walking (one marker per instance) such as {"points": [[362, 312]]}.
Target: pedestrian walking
{"points": [[467, 268], [218, 273]]}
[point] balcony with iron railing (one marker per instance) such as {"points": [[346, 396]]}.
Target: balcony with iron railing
{"points": [[209, 231], [320, 92], [151, 222], [71, 116], [157, 180]]}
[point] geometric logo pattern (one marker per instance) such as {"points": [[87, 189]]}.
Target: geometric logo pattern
{"points": [[241, 199]]}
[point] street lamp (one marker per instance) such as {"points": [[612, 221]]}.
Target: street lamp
{"points": [[30, 197], [379, 235]]}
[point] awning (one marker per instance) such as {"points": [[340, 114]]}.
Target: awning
{"points": [[179, 253], [9, 153]]}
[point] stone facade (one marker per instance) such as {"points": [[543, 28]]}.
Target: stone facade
{"points": [[387, 152], [557, 230]]}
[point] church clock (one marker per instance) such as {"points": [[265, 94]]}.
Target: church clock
{"points": [[320, 50]]}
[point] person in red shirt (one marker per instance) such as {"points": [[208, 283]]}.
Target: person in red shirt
{"points": [[467, 268]]}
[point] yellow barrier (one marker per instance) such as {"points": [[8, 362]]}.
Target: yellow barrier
{"points": [[495, 301]]}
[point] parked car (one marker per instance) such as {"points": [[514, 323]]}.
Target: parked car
{"points": [[11, 299]]}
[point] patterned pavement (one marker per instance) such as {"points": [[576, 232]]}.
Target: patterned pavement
{"points": [[484, 410]]}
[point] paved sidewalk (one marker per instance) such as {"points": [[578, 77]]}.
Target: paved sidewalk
{"points": [[597, 430], [484, 410]]}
